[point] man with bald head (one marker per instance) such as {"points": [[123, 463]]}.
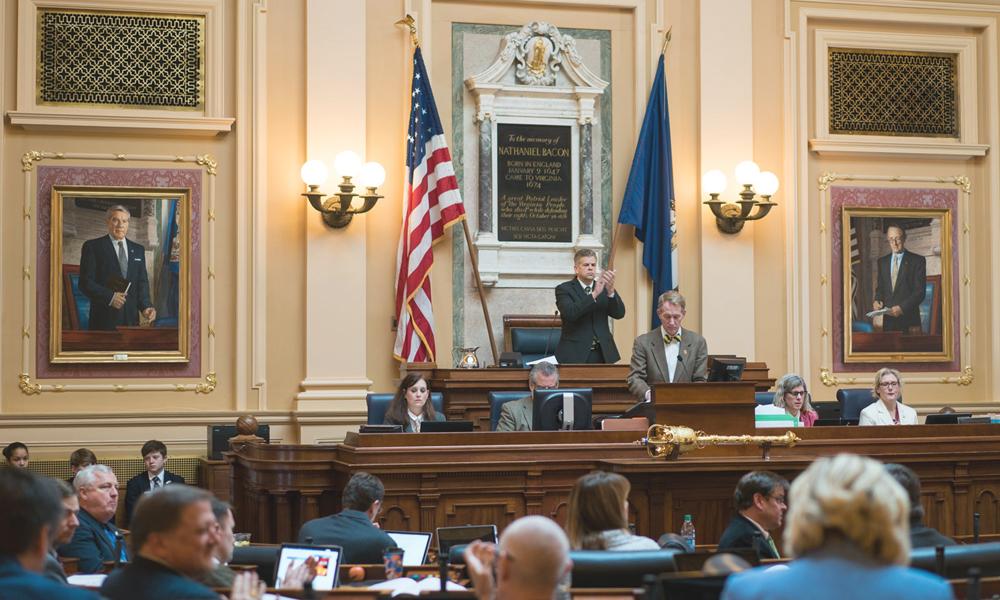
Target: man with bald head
{"points": [[533, 558], [901, 285]]}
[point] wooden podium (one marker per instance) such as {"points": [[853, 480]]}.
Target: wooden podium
{"points": [[715, 408]]}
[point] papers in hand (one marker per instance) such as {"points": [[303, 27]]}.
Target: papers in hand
{"points": [[878, 313], [405, 585]]}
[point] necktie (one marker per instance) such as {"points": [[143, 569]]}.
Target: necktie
{"points": [[156, 482], [770, 543], [587, 289], [895, 269], [114, 543], [122, 258], [669, 339]]}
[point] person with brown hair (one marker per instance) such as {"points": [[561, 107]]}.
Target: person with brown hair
{"points": [[16, 455], [598, 515], [79, 460], [412, 404]]}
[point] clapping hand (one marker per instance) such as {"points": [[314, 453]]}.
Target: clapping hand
{"points": [[480, 557], [609, 282], [247, 586]]}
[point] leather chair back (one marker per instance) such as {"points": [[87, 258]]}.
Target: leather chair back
{"points": [[379, 403], [763, 398], [497, 400], [959, 559], [610, 569], [853, 401], [534, 342], [262, 556]]}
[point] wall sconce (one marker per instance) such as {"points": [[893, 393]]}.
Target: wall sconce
{"points": [[730, 216], [338, 208]]}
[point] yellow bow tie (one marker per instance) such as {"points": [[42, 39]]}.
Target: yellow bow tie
{"points": [[669, 339]]}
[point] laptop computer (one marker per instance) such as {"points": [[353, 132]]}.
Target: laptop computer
{"points": [[327, 565], [414, 544], [463, 534], [380, 429], [445, 426]]}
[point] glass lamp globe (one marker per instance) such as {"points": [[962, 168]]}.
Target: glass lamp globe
{"points": [[767, 184], [372, 175], [314, 173], [747, 172], [347, 164], [713, 182]]}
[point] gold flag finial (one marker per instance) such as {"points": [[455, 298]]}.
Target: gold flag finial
{"points": [[666, 40], [410, 24]]}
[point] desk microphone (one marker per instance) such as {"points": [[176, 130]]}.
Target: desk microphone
{"points": [[548, 339]]}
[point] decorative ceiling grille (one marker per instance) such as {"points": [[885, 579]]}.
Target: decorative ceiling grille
{"points": [[116, 59], [887, 92]]}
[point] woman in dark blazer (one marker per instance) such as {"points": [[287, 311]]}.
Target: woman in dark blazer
{"points": [[412, 404]]}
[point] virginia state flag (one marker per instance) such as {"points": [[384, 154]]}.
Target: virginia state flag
{"points": [[649, 195]]}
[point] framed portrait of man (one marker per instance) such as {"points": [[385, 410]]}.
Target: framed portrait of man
{"points": [[897, 284], [120, 274]]}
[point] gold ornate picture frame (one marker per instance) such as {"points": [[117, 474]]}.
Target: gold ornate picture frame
{"points": [[86, 272]]}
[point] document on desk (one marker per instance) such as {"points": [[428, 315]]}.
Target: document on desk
{"points": [[548, 359], [878, 313], [405, 585]]}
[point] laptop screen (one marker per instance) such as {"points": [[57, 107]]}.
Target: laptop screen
{"points": [[327, 565], [463, 534], [414, 545]]}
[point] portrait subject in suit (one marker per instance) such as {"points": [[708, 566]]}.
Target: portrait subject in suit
{"points": [[901, 285], [668, 354], [113, 276], [585, 303]]}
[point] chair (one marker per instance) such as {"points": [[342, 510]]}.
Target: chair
{"points": [[763, 398], [497, 400], [379, 403], [604, 568], [261, 556], [853, 401], [959, 559], [534, 336], [629, 424]]}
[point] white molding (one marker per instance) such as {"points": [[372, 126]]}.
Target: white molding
{"points": [[932, 148], [208, 121], [251, 215]]}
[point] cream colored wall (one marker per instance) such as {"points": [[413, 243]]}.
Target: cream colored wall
{"points": [[272, 358]]}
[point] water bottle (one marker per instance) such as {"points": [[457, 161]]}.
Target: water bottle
{"points": [[687, 532]]}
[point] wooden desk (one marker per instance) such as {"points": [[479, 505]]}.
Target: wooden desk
{"points": [[465, 389], [438, 479]]}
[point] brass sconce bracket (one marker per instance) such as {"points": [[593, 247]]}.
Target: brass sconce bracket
{"points": [[730, 216], [338, 209]]}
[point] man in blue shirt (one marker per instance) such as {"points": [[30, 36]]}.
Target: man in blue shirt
{"points": [[30, 513]]}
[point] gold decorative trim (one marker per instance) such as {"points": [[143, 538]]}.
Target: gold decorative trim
{"points": [[28, 388], [209, 386], [965, 379], [825, 180], [209, 162]]}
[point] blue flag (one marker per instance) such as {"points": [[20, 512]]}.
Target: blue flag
{"points": [[649, 194]]}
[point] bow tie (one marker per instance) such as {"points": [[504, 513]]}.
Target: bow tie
{"points": [[669, 339]]}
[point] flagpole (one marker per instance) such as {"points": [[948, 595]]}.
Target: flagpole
{"points": [[616, 233], [410, 24]]}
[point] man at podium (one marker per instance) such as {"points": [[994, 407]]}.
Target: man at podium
{"points": [[585, 303], [668, 354]]}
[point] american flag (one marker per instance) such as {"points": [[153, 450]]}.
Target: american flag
{"points": [[432, 205]]}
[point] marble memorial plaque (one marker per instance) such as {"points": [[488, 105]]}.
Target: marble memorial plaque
{"points": [[534, 183]]}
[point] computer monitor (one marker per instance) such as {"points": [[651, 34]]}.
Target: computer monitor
{"points": [[946, 418], [445, 426], [727, 369], [562, 409]]}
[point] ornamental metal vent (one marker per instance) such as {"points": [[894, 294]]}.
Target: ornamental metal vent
{"points": [[116, 59], [886, 92]]}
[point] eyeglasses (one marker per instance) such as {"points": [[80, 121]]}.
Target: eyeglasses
{"points": [[796, 394], [886, 384], [779, 499]]}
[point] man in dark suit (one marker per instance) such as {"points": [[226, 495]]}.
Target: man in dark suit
{"points": [[174, 534], [96, 539], [901, 285], [667, 354], [353, 527], [921, 536], [760, 500], [585, 303], [108, 265], [154, 455], [30, 514], [518, 415], [67, 527]]}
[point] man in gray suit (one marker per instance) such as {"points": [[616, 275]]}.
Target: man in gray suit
{"points": [[516, 415], [667, 354]]}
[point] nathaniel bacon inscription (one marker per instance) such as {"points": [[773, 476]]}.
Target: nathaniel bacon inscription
{"points": [[534, 183]]}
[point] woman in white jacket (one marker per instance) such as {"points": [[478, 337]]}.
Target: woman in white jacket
{"points": [[888, 408]]}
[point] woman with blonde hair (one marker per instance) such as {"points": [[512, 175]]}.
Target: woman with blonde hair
{"points": [[598, 515], [791, 394], [848, 531], [888, 408]]}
